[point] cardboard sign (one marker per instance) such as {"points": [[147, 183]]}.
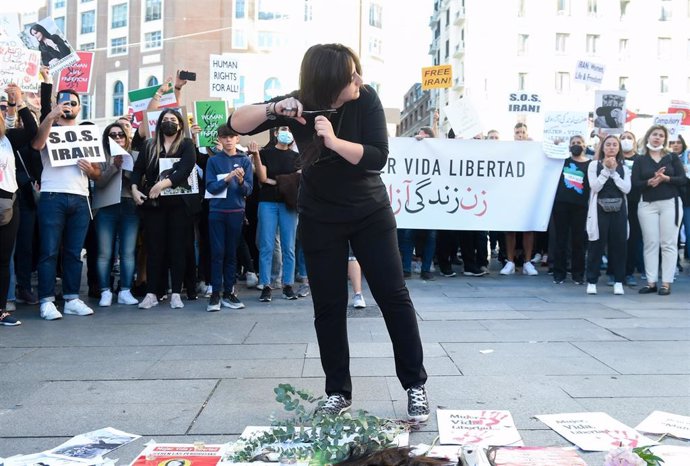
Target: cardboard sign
{"points": [[66, 145], [49, 40], [139, 100], [181, 454], [19, 65], [165, 166], [559, 127], [210, 115], [224, 76], [77, 76], [437, 77], [524, 102], [9, 27], [672, 123], [463, 118], [91, 446], [660, 422], [589, 73], [682, 107], [477, 427]]}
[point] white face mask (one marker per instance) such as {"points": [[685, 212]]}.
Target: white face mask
{"points": [[654, 148], [626, 145]]}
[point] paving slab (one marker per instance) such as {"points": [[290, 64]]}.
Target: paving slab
{"points": [[469, 315], [624, 386], [363, 367], [633, 410], [377, 350], [547, 330], [637, 357]]}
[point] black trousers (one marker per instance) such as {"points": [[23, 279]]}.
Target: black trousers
{"points": [[613, 233], [634, 258], [374, 243], [447, 242], [570, 223], [8, 235]]}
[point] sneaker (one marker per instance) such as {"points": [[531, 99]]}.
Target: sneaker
{"points": [[303, 291], [630, 280], [416, 267], [618, 288], [149, 301], [26, 297], [417, 404], [49, 311], [427, 276], [610, 281], [529, 269], [7, 320], [334, 405], [252, 280], [214, 303], [288, 293], [260, 287], [558, 281], [77, 307], [208, 291], [125, 297], [106, 298], [176, 301], [591, 288], [265, 295], [508, 269], [10, 306], [358, 301], [448, 272], [233, 302], [473, 272], [536, 259]]}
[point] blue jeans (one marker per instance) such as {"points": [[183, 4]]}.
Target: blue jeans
{"points": [[406, 243], [119, 221], [274, 215], [62, 219], [301, 265], [224, 231]]}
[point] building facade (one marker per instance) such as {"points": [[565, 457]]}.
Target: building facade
{"points": [[418, 110]]}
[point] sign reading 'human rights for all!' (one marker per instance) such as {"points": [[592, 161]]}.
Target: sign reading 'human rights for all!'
{"points": [[67, 145], [224, 76]]}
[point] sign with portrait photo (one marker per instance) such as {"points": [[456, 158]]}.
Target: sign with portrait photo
{"points": [[167, 166], [50, 41], [609, 115]]}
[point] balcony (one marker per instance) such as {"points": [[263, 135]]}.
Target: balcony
{"points": [[459, 50], [458, 84], [433, 48], [459, 16]]}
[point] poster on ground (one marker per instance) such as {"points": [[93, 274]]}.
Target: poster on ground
{"points": [[224, 76], [610, 111], [181, 454], [46, 37], [673, 455], [537, 456], [660, 422], [594, 431], [210, 115], [477, 427], [93, 444], [559, 127], [77, 76], [66, 145], [166, 166]]}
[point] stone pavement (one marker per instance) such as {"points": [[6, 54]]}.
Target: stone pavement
{"points": [[185, 375]]}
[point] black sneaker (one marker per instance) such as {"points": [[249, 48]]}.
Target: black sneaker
{"points": [[265, 295], [214, 303], [288, 293], [427, 276], [232, 301], [7, 320], [448, 272], [334, 405], [473, 272], [417, 404]]}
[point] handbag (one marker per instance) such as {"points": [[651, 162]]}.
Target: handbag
{"points": [[35, 187], [288, 187], [6, 209], [610, 204]]}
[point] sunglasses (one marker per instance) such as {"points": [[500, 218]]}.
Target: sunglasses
{"points": [[3, 107], [73, 103], [117, 135]]}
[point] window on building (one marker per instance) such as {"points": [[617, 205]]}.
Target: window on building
{"points": [[153, 40], [592, 44], [666, 10], [592, 7], [152, 81], [308, 11], [60, 23], [88, 46], [273, 9], [523, 44], [663, 48], [88, 22], [375, 13], [58, 4], [85, 1], [521, 8], [375, 47], [118, 98], [561, 42], [624, 7], [623, 83], [447, 49], [563, 7], [239, 38], [153, 10], [663, 84], [562, 81], [85, 106], [271, 40], [240, 9], [522, 81], [119, 18], [118, 46]]}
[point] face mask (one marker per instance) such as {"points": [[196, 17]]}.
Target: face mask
{"points": [[285, 137], [651, 147], [626, 145], [169, 128], [576, 150]]}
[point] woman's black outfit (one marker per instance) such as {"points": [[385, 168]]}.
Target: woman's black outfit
{"points": [[341, 203]]}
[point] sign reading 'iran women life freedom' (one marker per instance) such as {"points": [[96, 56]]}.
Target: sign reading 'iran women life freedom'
{"points": [[449, 184], [66, 145]]}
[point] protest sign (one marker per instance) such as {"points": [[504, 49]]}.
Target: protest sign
{"points": [[224, 76], [184, 454], [589, 73], [610, 111], [477, 427], [111, 193], [660, 422], [594, 431], [50, 41], [19, 65], [66, 145], [463, 118], [139, 100], [450, 184], [221, 195], [77, 76], [682, 107], [673, 455], [559, 127], [437, 77], [672, 123], [537, 456], [92, 445], [209, 115], [166, 166], [524, 102], [9, 27]]}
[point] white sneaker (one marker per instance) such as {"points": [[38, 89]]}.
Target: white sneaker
{"points": [[125, 297], [508, 269], [49, 311], [10, 306], [77, 307], [106, 298], [358, 301], [149, 301], [208, 291], [529, 269], [176, 301], [252, 280], [536, 259], [591, 288], [618, 288]]}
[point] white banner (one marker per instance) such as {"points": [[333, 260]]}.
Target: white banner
{"points": [[589, 73], [450, 184], [477, 427], [224, 76], [66, 145]]}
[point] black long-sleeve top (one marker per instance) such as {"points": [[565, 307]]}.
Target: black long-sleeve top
{"points": [[333, 190], [19, 138], [142, 168], [644, 169]]}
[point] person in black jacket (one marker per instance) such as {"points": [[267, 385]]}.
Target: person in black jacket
{"points": [[340, 128], [680, 148]]}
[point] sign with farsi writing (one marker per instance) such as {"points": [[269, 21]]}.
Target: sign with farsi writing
{"points": [[77, 76], [210, 115]]}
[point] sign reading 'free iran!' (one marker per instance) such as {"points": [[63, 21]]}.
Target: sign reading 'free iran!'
{"points": [[66, 145]]}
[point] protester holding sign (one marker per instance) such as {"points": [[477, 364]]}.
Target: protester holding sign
{"points": [[607, 216], [10, 141], [167, 222], [659, 174], [119, 220], [63, 212]]}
